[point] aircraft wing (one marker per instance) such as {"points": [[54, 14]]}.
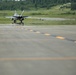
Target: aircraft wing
{"points": [[17, 16], [10, 17], [25, 16]]}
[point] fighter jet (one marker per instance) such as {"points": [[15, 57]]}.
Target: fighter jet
{"points": [[16, 17]]}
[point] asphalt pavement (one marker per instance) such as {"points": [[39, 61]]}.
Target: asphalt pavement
{"points": [[37, 50]]}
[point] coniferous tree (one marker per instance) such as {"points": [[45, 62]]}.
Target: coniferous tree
{"points": [[29, 4]]}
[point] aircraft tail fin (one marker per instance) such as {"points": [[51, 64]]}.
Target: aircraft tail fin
{"points": [[15, 14], [22, 12]]}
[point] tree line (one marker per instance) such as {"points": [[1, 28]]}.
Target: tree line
{"points": [[32, 4]]}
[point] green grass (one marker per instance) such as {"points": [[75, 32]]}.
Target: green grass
{"points": [[48, 22], [5, 21]]}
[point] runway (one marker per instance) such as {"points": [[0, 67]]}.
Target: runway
{"points": [[37, 50]]}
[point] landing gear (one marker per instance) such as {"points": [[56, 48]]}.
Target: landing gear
{"points": [[21, 23], [14, 22]]}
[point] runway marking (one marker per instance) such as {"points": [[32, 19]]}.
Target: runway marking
{"points": [[47, 34], [60, 37], [38, 58], [74, 41], [37, 32], [26, 29], [31, 30], [22, 28]]}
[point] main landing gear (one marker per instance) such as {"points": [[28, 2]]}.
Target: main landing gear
{"points": [[21, 23]]}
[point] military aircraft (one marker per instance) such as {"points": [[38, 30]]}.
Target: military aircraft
{"points": [[16, 17]]}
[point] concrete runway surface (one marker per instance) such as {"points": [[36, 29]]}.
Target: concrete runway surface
{"points": [[37, 50]]}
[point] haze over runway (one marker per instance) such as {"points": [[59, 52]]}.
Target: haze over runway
{"points": [[37, 50]]}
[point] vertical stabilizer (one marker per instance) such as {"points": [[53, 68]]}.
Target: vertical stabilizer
{"points": [[15, 14], [22, 12]]}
